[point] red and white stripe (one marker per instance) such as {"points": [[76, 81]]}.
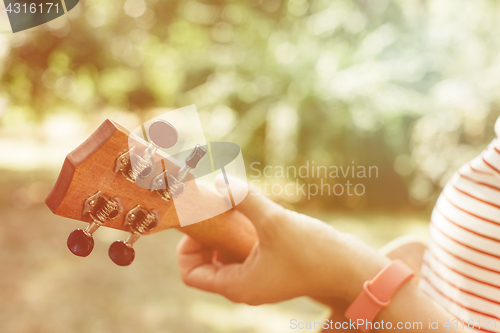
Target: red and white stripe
{"points": [[461, 269]]}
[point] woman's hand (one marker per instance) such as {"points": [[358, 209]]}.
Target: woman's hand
{"points": [[296, 255]]}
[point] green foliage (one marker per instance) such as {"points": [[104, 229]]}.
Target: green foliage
{"points": [[408, 86]]}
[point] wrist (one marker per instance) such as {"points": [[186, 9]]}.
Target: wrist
{"points": [[342, 275], [363, 272], [377, 293]]}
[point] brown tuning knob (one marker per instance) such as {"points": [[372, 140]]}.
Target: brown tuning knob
{"points": [[138, 221], [100, 209], [122, 253], [80, 242]]}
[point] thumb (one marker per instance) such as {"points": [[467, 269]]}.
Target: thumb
{"points": [[259, 209]]}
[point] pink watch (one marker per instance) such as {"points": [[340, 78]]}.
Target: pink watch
{"points": [[377, 293]]}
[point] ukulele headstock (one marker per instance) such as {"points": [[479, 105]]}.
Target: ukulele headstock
{"points": [[118, 180]]}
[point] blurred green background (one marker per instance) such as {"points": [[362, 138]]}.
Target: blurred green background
{"points": [[409, 86]]}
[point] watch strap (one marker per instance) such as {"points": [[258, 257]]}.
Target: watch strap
{"points": [[377, 293]]}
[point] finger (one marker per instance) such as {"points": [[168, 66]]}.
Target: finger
{"points": [[255, 206], [223, 258], [198, 270], [191, 253]]}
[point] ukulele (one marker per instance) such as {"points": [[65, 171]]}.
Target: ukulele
{"points": [[118, 180]]}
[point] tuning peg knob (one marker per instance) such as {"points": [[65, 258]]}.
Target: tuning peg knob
{"points": [[138, 220], [163, 134], [99, 208], [121, 253], [191, 162], [80, 243]]}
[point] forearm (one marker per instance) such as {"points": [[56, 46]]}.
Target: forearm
{"points": [[408, 306], [411, 305]]}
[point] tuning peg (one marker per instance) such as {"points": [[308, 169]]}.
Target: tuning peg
{"points": [[176, 184], [191, 162], [162, 135], [161, 185], [138, 220], [100, 209], [168, 186]]}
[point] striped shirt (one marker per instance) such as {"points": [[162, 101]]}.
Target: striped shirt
{"points": [[461, 268]]}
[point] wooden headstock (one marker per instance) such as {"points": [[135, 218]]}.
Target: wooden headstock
{"points": [[91, 188]]}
